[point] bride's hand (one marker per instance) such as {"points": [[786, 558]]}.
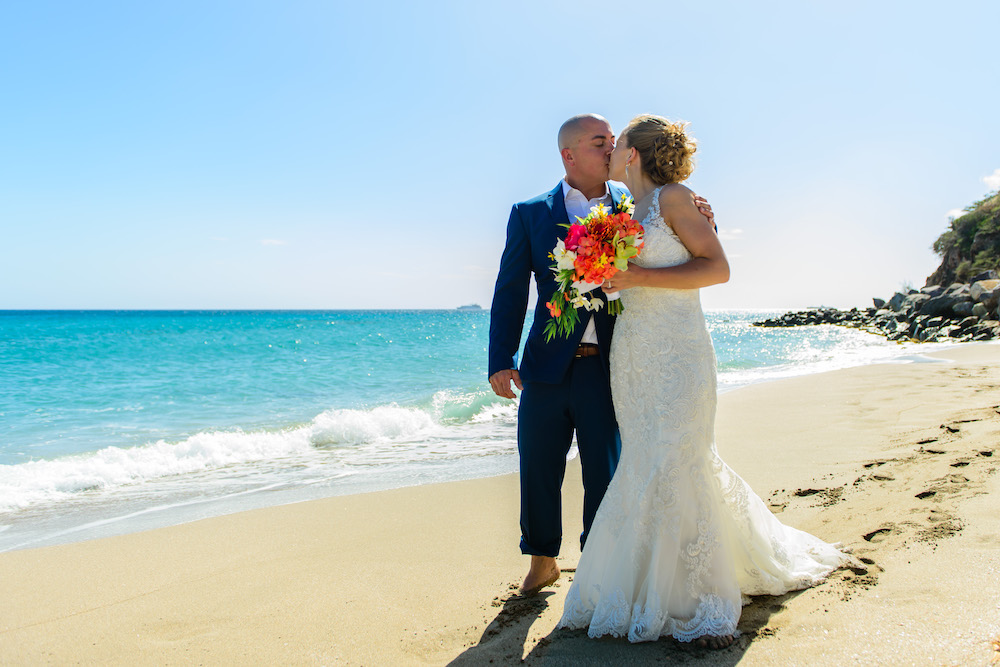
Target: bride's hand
{"points": [[624, 279]]}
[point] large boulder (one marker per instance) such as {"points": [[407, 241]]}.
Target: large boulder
{"points": [[986, 330], [932, 290], [952, 331], [991, 299], [986, 292], [896, 301], [913, 303], [977, 288], [959, 289], [985, 275], [963, 308], [968, 322], [940, 305], [924, 335]]}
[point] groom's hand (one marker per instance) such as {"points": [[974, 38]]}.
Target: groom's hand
{"points": [[706, 210], [500, 381]]}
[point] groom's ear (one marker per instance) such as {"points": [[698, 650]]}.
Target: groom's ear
{"points": [[567, 155]]}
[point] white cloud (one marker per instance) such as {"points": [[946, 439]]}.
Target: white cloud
{"points": [[954, 213], [993, 180], [273, 242], [730, 234]]}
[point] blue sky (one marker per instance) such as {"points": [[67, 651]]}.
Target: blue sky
{"points": [[306, 154]]}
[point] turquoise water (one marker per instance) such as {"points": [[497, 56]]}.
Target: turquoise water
{"points": [[77, 382], [118, 421]]}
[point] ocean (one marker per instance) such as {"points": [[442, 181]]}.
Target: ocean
{"points": [[118, 421]]}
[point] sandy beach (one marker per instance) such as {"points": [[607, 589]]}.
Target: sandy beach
{"points": [[897, 462]]}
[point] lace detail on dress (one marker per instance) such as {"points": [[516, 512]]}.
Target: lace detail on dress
{"points": [[680, 538], [714, 617], [654, 207]]}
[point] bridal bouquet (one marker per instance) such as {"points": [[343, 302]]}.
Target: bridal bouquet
{"points": [[595, 249]]}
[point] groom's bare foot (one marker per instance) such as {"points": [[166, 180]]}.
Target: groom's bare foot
{"points": [[714, 642], [544, 572]]}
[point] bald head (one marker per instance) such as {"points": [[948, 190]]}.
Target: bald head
{"points": [[585, 145], [573, 129]]}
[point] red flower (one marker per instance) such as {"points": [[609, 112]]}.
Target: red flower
{"points": [[576, 232]]}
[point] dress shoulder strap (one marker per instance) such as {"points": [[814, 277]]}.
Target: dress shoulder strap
{"points": [[654, 206]]}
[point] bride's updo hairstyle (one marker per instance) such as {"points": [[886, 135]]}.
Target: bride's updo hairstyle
{"points": [[666, 152]]}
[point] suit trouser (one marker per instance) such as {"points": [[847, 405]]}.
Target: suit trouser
{"points": [[547, 416]]}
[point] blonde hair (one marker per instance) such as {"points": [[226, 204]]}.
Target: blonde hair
{"points": [[666, 151]]}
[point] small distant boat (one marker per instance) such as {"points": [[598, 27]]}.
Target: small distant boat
{"points": [[470, 306]]}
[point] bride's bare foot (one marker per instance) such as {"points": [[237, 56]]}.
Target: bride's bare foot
{"points": [[543, 572], [713, 642]]}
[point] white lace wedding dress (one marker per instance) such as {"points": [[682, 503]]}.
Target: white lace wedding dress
{"points": [[679, 538]]}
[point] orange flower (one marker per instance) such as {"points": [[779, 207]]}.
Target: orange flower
{"points": [[554, 310]]}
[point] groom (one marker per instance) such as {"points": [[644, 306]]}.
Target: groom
{"points": [[565, 383]]}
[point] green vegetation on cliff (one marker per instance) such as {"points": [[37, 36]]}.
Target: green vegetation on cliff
{"points": [[971, 245]]}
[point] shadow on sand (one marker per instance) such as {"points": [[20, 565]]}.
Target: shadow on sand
{"points": [[503, 640]]}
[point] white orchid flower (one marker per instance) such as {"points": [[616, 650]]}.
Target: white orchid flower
{"points": [[599, 210], [627, 205], [564, 258]]}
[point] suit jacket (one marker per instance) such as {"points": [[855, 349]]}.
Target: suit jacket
{"points": [[532, 231]]}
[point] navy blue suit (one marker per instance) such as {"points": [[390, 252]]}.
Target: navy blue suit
{"points": [[561, 394]]}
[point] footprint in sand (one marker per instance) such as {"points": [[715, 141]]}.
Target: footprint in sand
{"points": [[826, 497], [877, 536], [925, 494], [959, 464]]}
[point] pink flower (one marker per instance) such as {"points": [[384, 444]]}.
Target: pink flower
{"points": [[576, 232]]}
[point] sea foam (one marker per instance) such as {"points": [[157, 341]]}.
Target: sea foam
{"points": [[350, 431]]}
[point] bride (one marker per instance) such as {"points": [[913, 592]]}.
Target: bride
{"points": [[679, 538]]}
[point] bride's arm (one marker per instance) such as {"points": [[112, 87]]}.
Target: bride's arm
{"points": [[708, 266]]}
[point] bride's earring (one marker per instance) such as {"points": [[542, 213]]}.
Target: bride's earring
{"points": [[626, 170]]}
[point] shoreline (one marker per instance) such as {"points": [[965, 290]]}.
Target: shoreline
{"points": [[96, 522], [425, 574]]}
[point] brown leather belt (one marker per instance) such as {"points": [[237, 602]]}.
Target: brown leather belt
{"points": [[587, 350]]}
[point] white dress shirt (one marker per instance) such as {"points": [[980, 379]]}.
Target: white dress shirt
{"points": [[578, 205]]}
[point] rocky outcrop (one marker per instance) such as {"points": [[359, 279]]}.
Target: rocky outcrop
{"points": [[947, 271], [959, 312], [971, 244]]}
